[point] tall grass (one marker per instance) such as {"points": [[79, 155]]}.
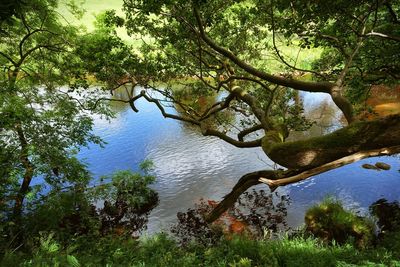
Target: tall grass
{"points": [[161, 250]]}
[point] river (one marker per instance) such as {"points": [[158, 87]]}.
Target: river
{"points": [[189, 166]]}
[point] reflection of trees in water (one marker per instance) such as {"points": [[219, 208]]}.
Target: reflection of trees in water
{"points": [[198, 103], [121, 218], [322, 112], [255, 214], [324, 116], [125, 93], [387, 215]]}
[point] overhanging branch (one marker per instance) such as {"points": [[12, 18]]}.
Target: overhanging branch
{"points": [[273, 183], [278, 178], [383, 35], [250, 130], [323, 87], [230, 140]]}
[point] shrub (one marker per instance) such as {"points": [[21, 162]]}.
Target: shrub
{"points": [[127, 199], [387, 215], [329, 221], [254, 213]]}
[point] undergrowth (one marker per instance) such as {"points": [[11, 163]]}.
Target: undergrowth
{"points": [[161, 250], [304, 248]]}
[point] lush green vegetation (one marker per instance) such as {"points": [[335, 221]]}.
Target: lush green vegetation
{"points": [[160, 250], [332, 236], [299, 249], [257, 55]]}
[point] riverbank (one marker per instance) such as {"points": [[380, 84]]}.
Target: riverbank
{"points": [[161, 250]]}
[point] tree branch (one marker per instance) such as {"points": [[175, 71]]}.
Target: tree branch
{"points": [[384, 36], [211, 132], [324, 87], [337, 91], [278, 52], [8, 58], [33, 49], [217, 107], [392, 12], [244, 183], [273, 183], [250, 130], [163, 112], [278, 178], [21, 44]]}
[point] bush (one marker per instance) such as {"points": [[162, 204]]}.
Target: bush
{"points": [[330, 222], [254, 214], [75, 211], [128, 200], [387, 215]]}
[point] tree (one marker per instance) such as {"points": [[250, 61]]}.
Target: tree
{"points": [[226, 46], [43, 121], [7, 10]]}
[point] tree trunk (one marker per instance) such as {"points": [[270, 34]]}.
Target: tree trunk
{"points": [[28, 175], [307, 158], [314, 152], [244, 183]]}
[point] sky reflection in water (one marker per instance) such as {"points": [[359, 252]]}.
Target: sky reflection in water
{"points": [[189, 166]]}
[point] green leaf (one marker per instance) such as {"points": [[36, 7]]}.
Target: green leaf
{"points": [[72, 261]]}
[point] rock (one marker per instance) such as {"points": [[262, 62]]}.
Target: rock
{"points": [[370, 167], [382, 166]]}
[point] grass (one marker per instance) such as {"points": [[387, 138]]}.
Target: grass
{"points": [[93, 8], [161, 250], [294, 55], [298, 249]]}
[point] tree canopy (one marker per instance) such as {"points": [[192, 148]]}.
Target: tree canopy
{"points": [[245, 52], [233, 47], [43, 119]]}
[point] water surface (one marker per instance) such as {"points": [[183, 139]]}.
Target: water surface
{"points": [[189, 166]]}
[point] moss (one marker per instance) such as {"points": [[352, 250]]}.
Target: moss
{"points": [[270, 139], [330, 221], [346, 136], [363, 135]]}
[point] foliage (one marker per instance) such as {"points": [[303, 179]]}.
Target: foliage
{"points": [[103, 54], [246, 29], [43, 122], [256, 214], [330, 222], [77, 212], [109, 249], [46, 101], [160, 250], [387, 215], [128, 200]]}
